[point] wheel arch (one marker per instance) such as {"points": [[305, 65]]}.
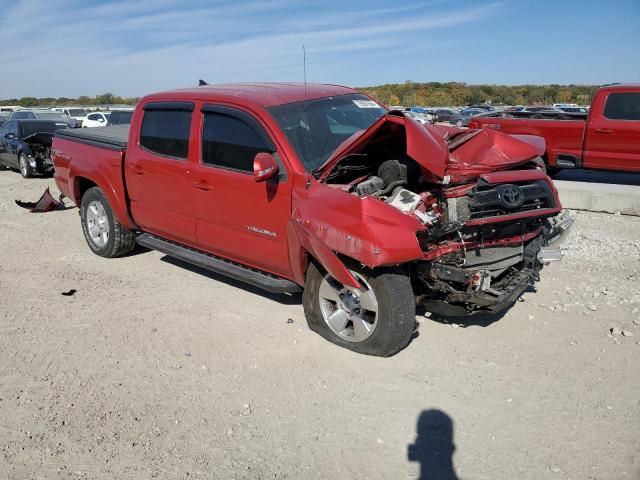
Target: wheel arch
{"points": [[305, 247], [83, 183]]}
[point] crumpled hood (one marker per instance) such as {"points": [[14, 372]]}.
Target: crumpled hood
{"points": [[487, 150], [470, 152]]}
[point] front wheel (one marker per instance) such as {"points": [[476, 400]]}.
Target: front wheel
{"points": [[25, 167], [459, 123], [104, 234], [376, 319]]}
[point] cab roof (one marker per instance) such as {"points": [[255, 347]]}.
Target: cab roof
{"points": [[621, 86], [263, 94]]}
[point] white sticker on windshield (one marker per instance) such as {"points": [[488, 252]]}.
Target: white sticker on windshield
{"points": [[366, 104]]}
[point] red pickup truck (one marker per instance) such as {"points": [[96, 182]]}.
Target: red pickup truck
{"points": [[608, 138], [319, 187]]}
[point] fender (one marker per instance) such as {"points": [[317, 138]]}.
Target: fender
{"points": [[111, 163], [303, 241]]}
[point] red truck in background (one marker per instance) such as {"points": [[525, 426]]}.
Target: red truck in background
{"points": [[319, 188], [608, 138]]}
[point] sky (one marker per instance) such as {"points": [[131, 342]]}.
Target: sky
{"points": [[54, 48]]}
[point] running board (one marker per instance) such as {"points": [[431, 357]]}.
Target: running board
{"points": [[259, 279]]}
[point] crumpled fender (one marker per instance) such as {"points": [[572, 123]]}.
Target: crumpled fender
{"points": [[302, 240], [327, 222]]}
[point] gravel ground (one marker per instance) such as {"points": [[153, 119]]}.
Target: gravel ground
{"points": [[153, 369]]}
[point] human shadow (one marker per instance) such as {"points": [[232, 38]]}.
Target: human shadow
{"points": [[433, 448]]}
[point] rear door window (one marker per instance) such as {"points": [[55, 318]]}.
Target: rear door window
{"points": [[165, 129], [231, 143], [622, 106]]}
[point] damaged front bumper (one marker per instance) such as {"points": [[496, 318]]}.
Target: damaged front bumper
{"points": [[495, 285], [560, 226]]}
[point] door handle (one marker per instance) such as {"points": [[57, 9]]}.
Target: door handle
{"points": [[201, 185], [137, 170], [603, 130]]}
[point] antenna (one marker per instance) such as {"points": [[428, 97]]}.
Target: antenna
{"points": [[304, 109]]}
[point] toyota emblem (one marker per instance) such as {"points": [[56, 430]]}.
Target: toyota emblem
{"points": [[512, 196]]}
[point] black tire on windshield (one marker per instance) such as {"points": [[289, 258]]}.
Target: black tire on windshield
{"points": [[377, 319], [104, 234]]}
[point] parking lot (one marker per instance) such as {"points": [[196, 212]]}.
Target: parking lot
{"points": [[157, 369]]}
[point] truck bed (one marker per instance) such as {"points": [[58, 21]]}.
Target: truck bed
{"points": [[114, 137]]}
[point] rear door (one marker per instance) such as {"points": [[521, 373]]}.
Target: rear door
{"points": [[237, 217], [158, 171], [4, 130], [11, 148], [613, 136]]}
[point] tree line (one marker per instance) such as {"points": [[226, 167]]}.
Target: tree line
{"points": [[409, 93], [438, 94], [104, 99]]}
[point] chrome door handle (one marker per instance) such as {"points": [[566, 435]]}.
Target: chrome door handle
{"points": [[603, 130]]}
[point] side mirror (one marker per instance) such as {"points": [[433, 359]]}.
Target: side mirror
{"points": [[264, 166], [10, 136]]}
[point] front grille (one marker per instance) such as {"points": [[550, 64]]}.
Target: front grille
{"points": [[491, 201]]}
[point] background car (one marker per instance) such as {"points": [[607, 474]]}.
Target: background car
{"points": [[444, 114], [120, 117], [26, 145], [76, 113], [96, 119], [462, 119], [487, 108], [36, 114], [420, 118], [574, 109]]}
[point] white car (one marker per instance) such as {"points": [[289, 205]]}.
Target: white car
{"points": [[96, 119]]}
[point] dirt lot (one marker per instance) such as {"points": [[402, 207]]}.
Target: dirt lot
{"points": [[156, 370]]}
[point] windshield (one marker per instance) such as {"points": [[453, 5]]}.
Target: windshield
{"points": [[29, 128], [52, 115], [316, 128], [78, 112]]}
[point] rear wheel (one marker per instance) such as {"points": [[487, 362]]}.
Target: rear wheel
{"points": [[376, 319], [459, 123], [104, 234], [25, 167]]}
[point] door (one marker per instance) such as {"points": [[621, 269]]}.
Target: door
{"points": [[158, 171], [613, 137], [4, 130], [10, 145], [237, 217]]}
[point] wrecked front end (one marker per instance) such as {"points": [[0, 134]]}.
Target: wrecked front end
{"points": [[487, 252], [487, 219], [39, 151]]}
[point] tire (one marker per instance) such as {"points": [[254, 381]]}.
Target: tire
{"points": [[539, 163], [394, 320], [104, 234], [25, 168], [459, 123]]}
